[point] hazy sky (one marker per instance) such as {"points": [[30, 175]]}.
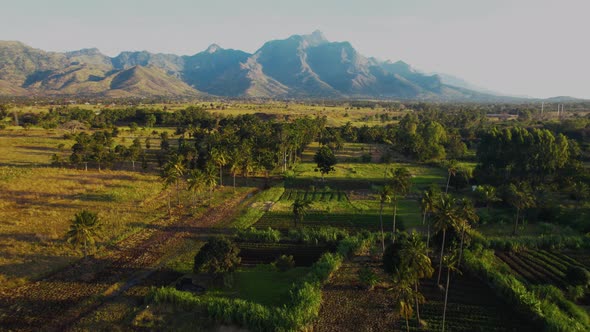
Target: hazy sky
{"points": [[539, 48]]}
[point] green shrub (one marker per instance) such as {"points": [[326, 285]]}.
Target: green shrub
{"points": [[315, 235], [285, 263], [367, 277], [575, 293], [323, 268], [218, 256], [252, 234], [355, 245]]}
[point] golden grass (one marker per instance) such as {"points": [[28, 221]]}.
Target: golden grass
{"points": [[37, 205]]}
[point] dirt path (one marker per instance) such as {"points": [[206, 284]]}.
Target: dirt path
{"points": [[58, 301]]}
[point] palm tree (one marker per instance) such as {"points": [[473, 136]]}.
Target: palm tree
{"points": [[452, 170], [415, 258], [520, 197], [384, 197], [445, 216], [168, 178], [405, 296], [219, 157], [210, 179], [467, 217], [196, 183], [174, 171], [427, 204], [450, 262], [235, 165], [84, 230], [487, 194], [400, 185], [300, 207]]}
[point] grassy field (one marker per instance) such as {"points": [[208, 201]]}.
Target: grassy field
{"points": [[36, 206], [262, 284]]}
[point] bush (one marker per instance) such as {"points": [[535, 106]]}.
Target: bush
{"points": [[575, 293], [218, 256], [577, 276], [323, 268], [355, 245], [368, 278], [285, 263], [252, 234], [315, 235]]}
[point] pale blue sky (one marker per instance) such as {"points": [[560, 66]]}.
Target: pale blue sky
{"points": [[538, 48]]}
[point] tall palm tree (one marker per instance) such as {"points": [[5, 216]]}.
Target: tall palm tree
{"points": [[219, 157], [300, 208], [452, 170], [174, 171], [196, 183], [235, 165], [427, 204], [450, 263], [445, 216], [210, 179], [487, 194], [384, 197], [405, 296], [520, 197], [400, 185], [84, 230], [415, 258], [466, 219]]}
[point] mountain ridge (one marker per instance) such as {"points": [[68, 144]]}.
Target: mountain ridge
{"points": [[300, 66]]}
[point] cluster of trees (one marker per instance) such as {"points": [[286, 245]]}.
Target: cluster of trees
{"points": [[108, 117], [99, 148], [521, 154], [408, 257]]}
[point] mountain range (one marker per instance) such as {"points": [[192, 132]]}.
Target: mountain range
{"points": [[301, 66]]}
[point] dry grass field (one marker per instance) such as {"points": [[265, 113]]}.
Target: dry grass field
{"points": [[37, 203]]}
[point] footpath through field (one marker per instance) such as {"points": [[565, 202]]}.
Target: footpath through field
{"points": [[58, 301]]}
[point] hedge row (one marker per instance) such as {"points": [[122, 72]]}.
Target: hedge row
{"points": [[548, 242], [252, 234]]}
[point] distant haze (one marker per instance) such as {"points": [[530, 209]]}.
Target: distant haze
{"points": [[537, 48]]}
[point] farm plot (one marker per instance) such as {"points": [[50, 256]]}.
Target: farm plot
{"points": [[261, 284], [472, 306], [265, 253], [539, 266], [346, 306]]}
